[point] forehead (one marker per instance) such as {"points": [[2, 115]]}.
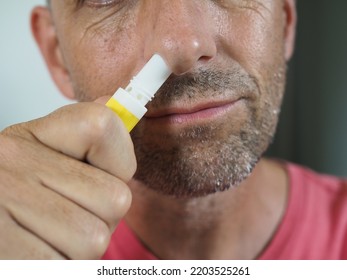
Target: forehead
{"points": [[86, 12], [222, 2], [101, 13]]}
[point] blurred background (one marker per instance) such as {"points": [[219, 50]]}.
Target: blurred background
{"points": [[313, 124], [26, 89]]}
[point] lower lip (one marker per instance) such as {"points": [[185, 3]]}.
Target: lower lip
{"points": [[196, 117]]}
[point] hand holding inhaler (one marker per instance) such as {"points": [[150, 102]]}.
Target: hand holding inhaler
{"points": [[64, 176], [63, 183]]}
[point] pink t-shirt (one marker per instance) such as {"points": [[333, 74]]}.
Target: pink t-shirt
{"points": [[314, 225]]}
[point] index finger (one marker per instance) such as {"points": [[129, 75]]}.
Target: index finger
{"points": [[89, 132]]}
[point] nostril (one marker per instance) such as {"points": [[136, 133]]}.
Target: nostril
{"points": [[181, 64], [205, 58]]}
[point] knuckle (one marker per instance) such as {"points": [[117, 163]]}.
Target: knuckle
{"points": [[11, 149], [21, 130], [98, 124], [98, 241], [15, 139], [130, 167], [17, 156], [11, 130], [120, 202], [117, 203]]}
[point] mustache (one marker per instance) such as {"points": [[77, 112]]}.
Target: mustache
{"points": [[206, 83]]}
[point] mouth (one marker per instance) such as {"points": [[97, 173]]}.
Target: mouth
{"points": [[200, 113]]}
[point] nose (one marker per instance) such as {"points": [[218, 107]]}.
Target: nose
{"points": [[181, 31]]}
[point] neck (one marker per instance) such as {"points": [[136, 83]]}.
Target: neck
{"points": [[235, 224]]}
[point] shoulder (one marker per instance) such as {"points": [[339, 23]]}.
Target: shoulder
{"points": [[308, 180], [314, 225], [322, 200]]}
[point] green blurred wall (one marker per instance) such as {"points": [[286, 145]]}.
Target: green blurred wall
{"points": [[313, 124]]}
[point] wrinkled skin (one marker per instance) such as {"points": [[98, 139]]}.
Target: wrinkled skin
{"points": [[236, 51], [203, 134]]}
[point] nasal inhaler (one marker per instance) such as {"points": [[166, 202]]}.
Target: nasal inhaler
{"points": [[129, 103]]}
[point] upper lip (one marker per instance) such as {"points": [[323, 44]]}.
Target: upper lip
{"points": [[185, 108]]}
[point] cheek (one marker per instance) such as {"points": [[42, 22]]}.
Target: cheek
{"points": [[100, 61], [253, 40]]}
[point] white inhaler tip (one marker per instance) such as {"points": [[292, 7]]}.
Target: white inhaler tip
{"points": [[152, 76]]}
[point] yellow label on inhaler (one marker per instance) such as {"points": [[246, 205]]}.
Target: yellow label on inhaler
{"points": [[127, 117]]}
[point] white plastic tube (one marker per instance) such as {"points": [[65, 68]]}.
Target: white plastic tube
{"points": [[129, 103]]}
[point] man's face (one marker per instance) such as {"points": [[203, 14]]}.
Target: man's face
{"points": [[210, 123]]}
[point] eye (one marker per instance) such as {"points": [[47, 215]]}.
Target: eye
{"points": [[101, 3]]}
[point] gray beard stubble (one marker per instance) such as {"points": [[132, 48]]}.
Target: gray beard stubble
{"points": [[196, 164]]}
